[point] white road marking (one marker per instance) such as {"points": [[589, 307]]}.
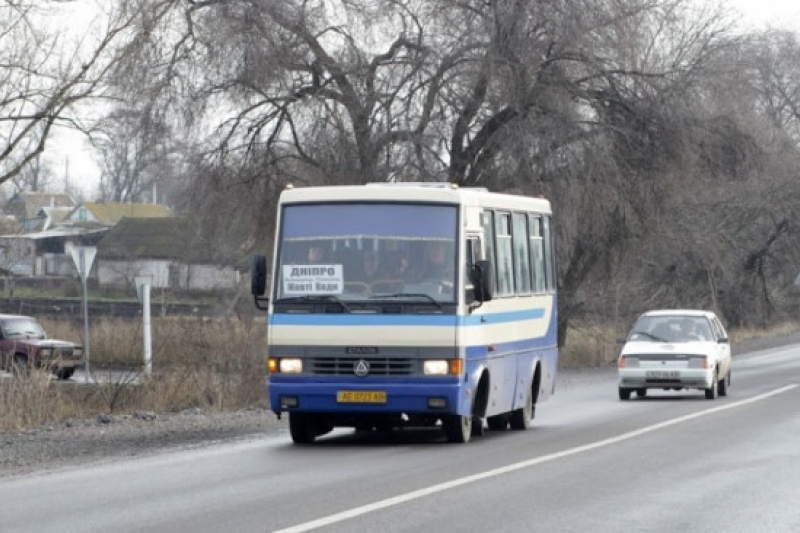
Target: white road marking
{"points": [[441, 487]]}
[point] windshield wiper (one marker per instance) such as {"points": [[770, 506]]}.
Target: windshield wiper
{"points": [[407, 295], [654, 337], [311, 298]]}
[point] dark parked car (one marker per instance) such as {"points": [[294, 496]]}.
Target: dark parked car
{"points": [[24, 345]]}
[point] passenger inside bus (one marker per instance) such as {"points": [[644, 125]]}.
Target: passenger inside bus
{"points": [[371, 266], [438, 264], [316, 255]]}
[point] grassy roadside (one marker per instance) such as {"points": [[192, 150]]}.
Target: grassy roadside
{"points": [[211, 364], [217, 365]]}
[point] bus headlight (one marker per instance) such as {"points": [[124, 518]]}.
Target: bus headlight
{"points": [[287, 365], [290, 365], [435, 367], [443, 367]]}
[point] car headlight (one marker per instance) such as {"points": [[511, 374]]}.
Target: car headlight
{"points": [[45, 352], [699, 361]]}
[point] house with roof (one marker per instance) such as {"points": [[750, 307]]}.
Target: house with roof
{"points": [[27, 207], [109, 213], [41, 248], [171, 250], [44, 253]]}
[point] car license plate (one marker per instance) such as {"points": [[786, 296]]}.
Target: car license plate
{"points": [[361, 396], [662, 374]]}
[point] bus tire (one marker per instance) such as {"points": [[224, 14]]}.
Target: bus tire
{"points": [[457, 428], [302, 428], [520, 419], [477, 427]]}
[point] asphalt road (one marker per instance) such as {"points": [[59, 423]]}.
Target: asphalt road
{"points": [[670, 462]]}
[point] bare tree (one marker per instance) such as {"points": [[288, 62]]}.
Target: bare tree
{"points": [[610, 109], [38, 175], [136, 154], [45, 76]]}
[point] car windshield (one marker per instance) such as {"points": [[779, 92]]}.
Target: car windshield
{"points": [[366, 251], [671, 328], [22, 327]]}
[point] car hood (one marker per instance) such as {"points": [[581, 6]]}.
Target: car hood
{"points": [[670, 348], [51, 343]]}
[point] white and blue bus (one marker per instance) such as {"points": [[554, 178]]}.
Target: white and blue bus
{"points": [[409, 304]]}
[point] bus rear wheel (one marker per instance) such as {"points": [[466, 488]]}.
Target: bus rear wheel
{"points": [[302, 428], [521, 418], [457, 428]]}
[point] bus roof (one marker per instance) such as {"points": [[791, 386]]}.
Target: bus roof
{"points": [[413, 191]]}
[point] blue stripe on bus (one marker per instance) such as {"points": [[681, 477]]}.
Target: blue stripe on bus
{"points": [[286, 319], [481, 351]]}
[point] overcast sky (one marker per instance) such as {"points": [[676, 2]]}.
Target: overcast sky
{"points": [[782, 13]]}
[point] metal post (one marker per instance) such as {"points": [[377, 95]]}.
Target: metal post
{"points": [[148, 352], [84, 275]]}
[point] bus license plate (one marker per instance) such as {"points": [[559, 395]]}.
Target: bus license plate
{"points": [[662, 374], [361, 396]]}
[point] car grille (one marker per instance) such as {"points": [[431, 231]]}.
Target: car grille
{"points": [[382, 366], [665, 381]]}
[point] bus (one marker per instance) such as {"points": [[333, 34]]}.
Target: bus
{"points": [[398, 305]]}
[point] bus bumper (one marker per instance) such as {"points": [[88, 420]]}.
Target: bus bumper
{"points": [[368, 398]]}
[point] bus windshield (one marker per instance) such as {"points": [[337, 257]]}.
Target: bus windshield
{"points": [[358, 251]]}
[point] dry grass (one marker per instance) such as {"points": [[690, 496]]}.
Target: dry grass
{"points": [[776, 330], [589, 346], [210, 364]]}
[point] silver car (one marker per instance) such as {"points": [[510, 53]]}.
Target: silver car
{"points": [[673, 350]]}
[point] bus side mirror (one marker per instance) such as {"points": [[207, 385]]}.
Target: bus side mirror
{"points": [[258, 280], [481, 277]]}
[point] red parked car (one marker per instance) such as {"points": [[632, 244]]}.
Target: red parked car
{"points": [[24, 345]]}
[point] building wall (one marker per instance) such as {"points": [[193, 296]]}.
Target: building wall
{"points": [[166, 275], [111, 273], [205, 277], [18, 255], [82, 214], [61, 265]]}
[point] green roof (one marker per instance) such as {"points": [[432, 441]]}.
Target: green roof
{"points": [[27, 204], [155, 238], [112, 212]]}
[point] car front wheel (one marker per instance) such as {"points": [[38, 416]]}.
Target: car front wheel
{"points": [[20, 366], [624, 394], [64, 373], [711, 392]]}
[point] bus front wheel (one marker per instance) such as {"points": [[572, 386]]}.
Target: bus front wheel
{"points": [[302, 428], [457, 428]]}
